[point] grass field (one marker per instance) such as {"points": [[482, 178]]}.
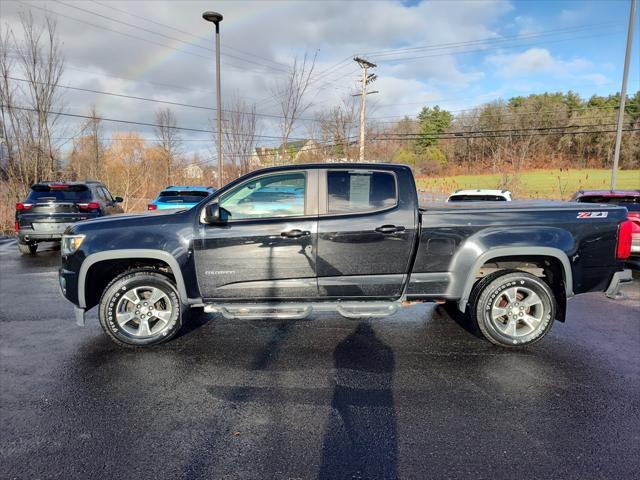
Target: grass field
{"points": [[557, 184]]}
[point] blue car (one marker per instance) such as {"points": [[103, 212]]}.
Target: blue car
{"points": [[174, 197]]}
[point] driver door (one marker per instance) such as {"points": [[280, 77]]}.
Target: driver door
{"points": [[267, 248]]}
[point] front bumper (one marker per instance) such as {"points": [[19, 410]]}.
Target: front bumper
{"points": [[68, 285], [618, 279]]}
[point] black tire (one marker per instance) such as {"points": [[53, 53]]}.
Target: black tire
{"points": [[28, 248], [114, 303], [522, 324]]}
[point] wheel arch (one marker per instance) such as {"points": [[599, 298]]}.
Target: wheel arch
{"points": [[534, 254], [131, 257]]}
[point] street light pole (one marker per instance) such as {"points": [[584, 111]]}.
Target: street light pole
{"points": [[623, 95], [216, 18]]}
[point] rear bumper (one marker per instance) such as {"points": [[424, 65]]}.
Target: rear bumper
{"points": [[28, 236], [618, 279]]}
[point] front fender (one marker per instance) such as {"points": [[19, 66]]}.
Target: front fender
{"points": [[133, 253]]}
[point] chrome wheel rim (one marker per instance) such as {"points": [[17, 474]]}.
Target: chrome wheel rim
{"points": [[144, 312], [517, 312]]}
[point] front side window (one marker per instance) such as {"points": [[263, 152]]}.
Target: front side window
{"points": [[360, 191], [279, 195]]}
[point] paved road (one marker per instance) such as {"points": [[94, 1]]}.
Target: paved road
{"points": [[416, 396]]}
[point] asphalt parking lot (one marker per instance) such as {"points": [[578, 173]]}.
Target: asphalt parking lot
{"points": [[412, 396]]}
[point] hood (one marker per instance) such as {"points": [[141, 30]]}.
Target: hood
{"points": [[128, 220]]}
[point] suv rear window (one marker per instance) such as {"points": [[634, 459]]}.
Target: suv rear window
{"points": [[621, 200], [477, 198], [360, 191], [59, 193], [186, 196]]}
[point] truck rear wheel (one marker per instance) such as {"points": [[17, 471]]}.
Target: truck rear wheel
{"points": [[512, 308], [140, 308]]}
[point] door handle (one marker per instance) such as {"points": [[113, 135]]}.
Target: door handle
{"points": [[295, 233], [389, 229]]}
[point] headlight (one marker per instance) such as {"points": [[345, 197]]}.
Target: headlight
{"points": [[71, 243]]}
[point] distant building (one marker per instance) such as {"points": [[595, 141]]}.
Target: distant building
{"points": [[295, 152], [193, 171]]}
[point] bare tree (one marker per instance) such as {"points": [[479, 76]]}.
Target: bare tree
{"points": [[337, 126], [87, 156], [291, 97], [30, 70], [240, 134], [168, 140]]}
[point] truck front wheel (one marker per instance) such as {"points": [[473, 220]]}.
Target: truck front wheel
{"points": [[512, 308], [140, 308]]}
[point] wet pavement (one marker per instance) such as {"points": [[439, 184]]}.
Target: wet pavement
{"points": [[411, 396]]}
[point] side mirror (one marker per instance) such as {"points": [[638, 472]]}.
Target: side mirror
{"points": [[215, 215], [118, 199]]}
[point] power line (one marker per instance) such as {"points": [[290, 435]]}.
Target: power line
{"points": [[526, 36], [132, 122]]}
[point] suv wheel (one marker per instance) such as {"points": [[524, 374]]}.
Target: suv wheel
{"points": [[513, 308], [27, 248], [140, 308]]}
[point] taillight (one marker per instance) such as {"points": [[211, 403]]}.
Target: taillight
{"points": [[17, 227], [89, 206], [24, 206], [151, 206], [623, 250]]}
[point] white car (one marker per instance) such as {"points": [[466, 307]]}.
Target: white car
{"points": [[480, 195]]}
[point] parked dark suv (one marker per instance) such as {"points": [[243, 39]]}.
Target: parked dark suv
{"points": [[51, 207]]}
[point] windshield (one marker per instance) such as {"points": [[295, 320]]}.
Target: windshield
{"points": [[59, 193], [182, 196]]}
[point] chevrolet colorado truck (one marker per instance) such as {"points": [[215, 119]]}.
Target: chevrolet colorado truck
{"points": [[285, 242]]}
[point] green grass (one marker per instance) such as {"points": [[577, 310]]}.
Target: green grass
{"points": [[558, 184]]}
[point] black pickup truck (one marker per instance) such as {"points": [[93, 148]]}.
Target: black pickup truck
{"points": [[287, 241]]}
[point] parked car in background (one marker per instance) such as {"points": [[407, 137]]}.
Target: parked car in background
{"points": [[174, 197], [480, 195], [625, 198], [51, 207]]}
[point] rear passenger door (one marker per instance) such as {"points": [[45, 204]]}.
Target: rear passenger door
{"points": [[366, 230]]}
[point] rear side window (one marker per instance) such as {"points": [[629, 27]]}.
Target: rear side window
{"points": [[360, 191], [182, 196], [59, 193], [477, 198]]}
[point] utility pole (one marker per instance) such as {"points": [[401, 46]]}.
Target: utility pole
{"points": [[623, 95], [366, 79]]}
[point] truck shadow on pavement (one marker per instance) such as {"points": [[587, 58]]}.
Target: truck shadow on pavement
{"points": [[361, 434]]}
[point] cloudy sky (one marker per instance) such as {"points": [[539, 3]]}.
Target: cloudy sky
{"points": [[456, 54]]}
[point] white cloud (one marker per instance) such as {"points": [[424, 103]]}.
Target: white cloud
{"points": [[597, 78], [535, 61]]}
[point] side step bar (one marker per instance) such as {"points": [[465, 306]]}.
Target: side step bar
{"points": [[296, 311]]}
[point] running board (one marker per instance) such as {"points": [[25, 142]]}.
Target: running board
{"points": [[296, 311]]}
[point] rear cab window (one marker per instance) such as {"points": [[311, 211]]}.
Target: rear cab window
{"points": [[360, 191], [59, 193]]}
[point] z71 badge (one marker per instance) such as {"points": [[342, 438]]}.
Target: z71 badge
{"points": [[592, 214]]}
